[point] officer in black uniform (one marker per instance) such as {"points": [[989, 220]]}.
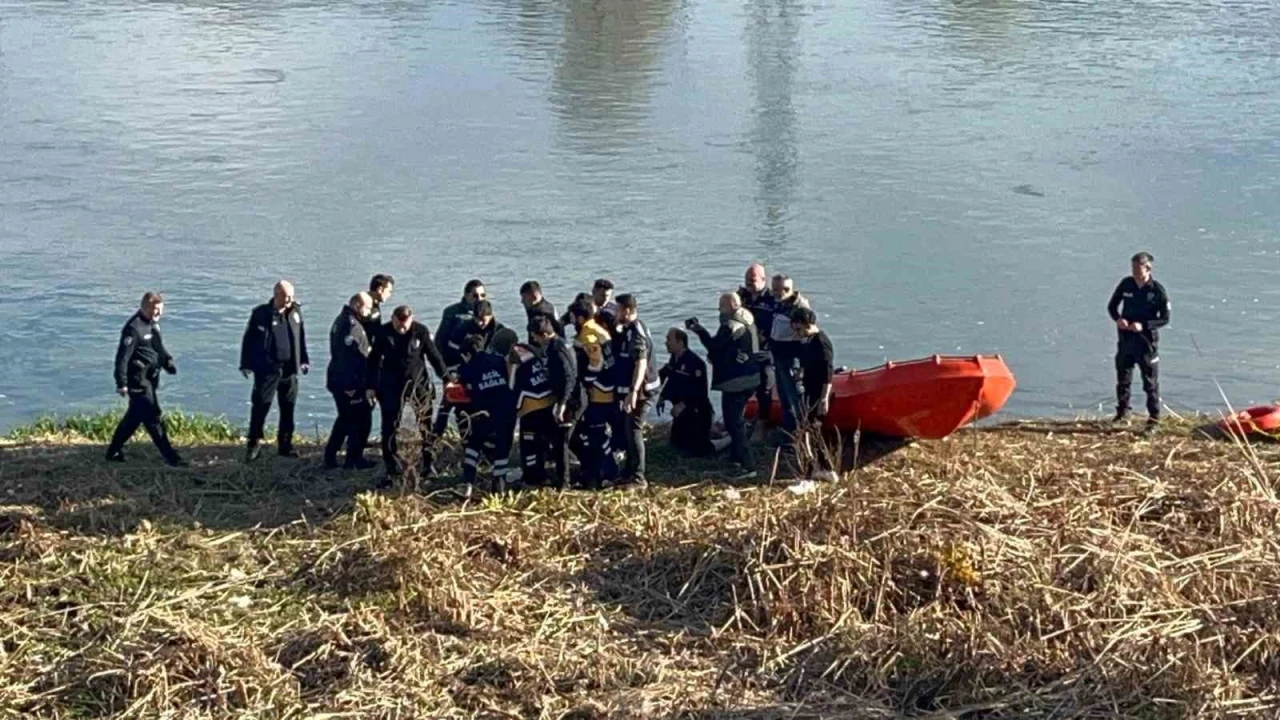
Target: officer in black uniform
{"points": [[606, 308], [139, 359], [1140, 307], [491, 412], [536, 403], [570, 396], [535, 303], [380, 289], [398, 363], [636, 383], [453, 316], [482, 323], [685, 387], [347, 381], [274, 350]]}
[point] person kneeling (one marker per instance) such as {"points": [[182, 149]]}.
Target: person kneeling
{"points": [[685, 388], [491, 412]]}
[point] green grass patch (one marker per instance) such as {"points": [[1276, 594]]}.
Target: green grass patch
{"points": [[184, 427]]}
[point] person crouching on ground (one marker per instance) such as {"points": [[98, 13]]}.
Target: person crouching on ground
{"points": [[735, 366], [685, 387]]}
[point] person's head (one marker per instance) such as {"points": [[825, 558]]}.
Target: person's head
{"points": [[402, 319], [783, 286], [361, 303], [282, 295], [484, 313], [152, 306], [755, 278], [473, 292], [628, 310], [804, 321], [602, 291], [503, 341], [530, 293], [582, 311], [541, 331], [730, 303], [380, 287], [677, 341], [472, 345], [1140, 267]]}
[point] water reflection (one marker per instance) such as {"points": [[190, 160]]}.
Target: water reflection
{"points": [[772, 30], [602, 83]]}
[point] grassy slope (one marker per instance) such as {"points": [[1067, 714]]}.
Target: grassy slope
{"points": [[1051, 571]]}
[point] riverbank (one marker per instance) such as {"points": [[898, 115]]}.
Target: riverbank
{"points": [[1034, 570]]}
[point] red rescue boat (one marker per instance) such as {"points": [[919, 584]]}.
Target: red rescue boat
{"points": [[927, 398], [1264, 419]]}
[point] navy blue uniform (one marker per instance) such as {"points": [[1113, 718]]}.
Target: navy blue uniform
{"points": [[398, 371], [491, 413], [274, 349], [686, 388], [140, 357], [346, 380], [1148, 305], [632, 345]]}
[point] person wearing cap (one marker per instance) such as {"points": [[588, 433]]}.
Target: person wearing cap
{"points": [[399, 359], [346, 379], [140, 356], [274, 351], [1139, 307]]}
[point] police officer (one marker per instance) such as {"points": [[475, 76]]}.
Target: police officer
{"points": [[453, 316], [398, 361], [636, 382], [482, 323], [1140, 307], [535, 303], [491, 411], [347, 381], [606, 308], [274, 351], [380, 288], [593, 351], [685, 387], [535, 400], [139, 359], [562, 369]]}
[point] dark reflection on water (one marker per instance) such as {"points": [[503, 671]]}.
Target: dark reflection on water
{"points": [[772, 34]]}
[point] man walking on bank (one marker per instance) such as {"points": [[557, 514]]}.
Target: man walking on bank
{"points": [[1140, 307], [274, 351], [139, 359]]}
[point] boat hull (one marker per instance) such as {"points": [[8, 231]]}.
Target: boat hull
{"points": [[927, 398]]}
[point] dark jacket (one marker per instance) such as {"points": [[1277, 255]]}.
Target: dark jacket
{"points": [[453, 316], [396, 359], [762, 306], [348, 354], [1148, 305], [817, 361], [453, 349], [544, 308], [140, 355], [562, 367], [685, 380], [734, 353], [486, 381], [374, 321], [632, 343], [256, 345]]}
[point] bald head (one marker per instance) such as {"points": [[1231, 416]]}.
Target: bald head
{"points": [[362, 303], [282, 296], [729, 302], [755, 278]]}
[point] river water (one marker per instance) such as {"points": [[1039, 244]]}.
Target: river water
{"points": [[953, 176]]}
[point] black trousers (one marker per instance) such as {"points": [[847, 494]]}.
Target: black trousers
{"points": [[277, 384], [542, 438], [1134, 349], [691, 429], [492, 435], [633, 435], [352, 426], [144, 410], [392, 398], [593, 443], [733, 405]]}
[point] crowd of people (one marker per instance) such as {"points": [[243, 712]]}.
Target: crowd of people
{"points": [[575, 385], [585, 396]]}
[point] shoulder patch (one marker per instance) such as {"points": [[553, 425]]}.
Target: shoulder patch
{"points": [[128, 339]]}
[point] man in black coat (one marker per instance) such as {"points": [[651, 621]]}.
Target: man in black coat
{"points": [[453, 316], [686, 388], [274, 351], [347, 381], [139, 359], [1139, 306], [535, 304], [402, 350]]}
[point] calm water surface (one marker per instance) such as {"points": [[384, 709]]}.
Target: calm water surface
{"points": [[951, 176]]}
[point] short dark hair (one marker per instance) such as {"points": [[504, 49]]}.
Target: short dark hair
{"points": [[484, 307], [781, 277], [379, 281], [151, 297], [531, 287], [403, 312], [473, 344], [582, 310], [626, 301], [681, 335], [541, 325], [804, 316], [1143, 257], [583, 296], [503, 341], [472, 285], [603, 284]]}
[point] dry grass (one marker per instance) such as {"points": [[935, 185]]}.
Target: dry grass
{"points": [[1048, 571]]}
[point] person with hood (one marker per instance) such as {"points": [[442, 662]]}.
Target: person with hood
{"points": [[735, 371]]}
